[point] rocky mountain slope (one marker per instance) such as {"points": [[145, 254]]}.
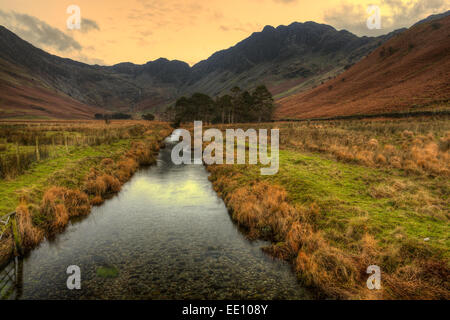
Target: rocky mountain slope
{"points": [[288, 59], [25, 95], [410, 71]]}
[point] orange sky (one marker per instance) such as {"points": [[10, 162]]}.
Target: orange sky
{"points": [[191, 30]]}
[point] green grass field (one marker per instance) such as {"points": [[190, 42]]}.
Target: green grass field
{"points": [[368, 180], [52, 171], [65, 169]]}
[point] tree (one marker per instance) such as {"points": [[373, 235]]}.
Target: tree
{"points": [[235, 99], [263, 102], [244, 113], [182, 108], [239, 106], [148, 116], [203, 105], [224, 106], [120, 115]]}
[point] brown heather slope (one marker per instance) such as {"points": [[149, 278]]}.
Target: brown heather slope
{"points": [[410, 70], [24, 96]]}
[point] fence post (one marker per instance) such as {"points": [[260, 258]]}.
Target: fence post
{"points": [[65, 142], [53, 147], [38, 156], [16, 236], [18, 156]]}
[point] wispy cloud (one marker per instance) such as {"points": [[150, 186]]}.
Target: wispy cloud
{"points": [[89, 60], [38, 32], [88, 25], [286, 1], [395, 14]]}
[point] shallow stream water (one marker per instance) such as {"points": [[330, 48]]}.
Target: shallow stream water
{"points": [[166, 235]]}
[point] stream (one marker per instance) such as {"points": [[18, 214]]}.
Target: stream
{"points": [[166, 235]]}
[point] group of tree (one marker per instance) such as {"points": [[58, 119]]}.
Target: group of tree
{"points": [[238, 106], [148, 116], [115, 116], [123, 116]]}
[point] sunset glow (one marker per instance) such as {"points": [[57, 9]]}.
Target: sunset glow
{"points": [[190, 30]]}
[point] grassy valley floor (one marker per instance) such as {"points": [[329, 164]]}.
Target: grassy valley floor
{"points": [[55, 170], [350, 194]]}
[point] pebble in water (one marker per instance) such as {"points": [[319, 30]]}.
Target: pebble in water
{"points": [[168, 236]]}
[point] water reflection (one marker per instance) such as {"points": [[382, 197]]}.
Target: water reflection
{"points": [[166, 235]]}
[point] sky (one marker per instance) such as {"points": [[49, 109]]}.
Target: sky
{"points": [[114, 31]]}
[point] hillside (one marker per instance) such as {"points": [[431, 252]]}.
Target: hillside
{"points": [[410, 70], [103, 87], [25, 96], [287, 58]]}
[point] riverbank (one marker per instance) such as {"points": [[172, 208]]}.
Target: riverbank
{"points": [[84, 163], [165, 235], [350, 194]]}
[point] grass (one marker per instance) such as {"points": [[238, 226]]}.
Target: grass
{"points": [[343, 192], [77, 173], [332, 216], [67, 169]]}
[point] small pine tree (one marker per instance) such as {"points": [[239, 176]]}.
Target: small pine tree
{"points": [[148, 116]]}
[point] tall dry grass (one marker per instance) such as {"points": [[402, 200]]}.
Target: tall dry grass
{"points": [[16, 163], [30, 235], [6, 247], [417, 146], [49, 136], [265, 211], [419, 149], [59, 204]]}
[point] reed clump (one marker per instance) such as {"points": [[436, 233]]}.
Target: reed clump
{"points": [[75, 185], [30, 235], [333, 262], [264, 211], [6, 247], [58, 205]]}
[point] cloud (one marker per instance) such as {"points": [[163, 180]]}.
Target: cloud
{"points": [[286, 1], [395, 14], [38, 32], [238, 26], [88, 60], [88, 25]]}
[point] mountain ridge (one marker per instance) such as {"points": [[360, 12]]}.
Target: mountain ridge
{"points": [[409, 72], [288, 59]]}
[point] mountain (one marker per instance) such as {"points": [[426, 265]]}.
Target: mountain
{"points": [[433, 17], [120, 87], [410, 70], [288, 59], [24, 95]]}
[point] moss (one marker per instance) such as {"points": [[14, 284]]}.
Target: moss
{"points": [[107, 272]]}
